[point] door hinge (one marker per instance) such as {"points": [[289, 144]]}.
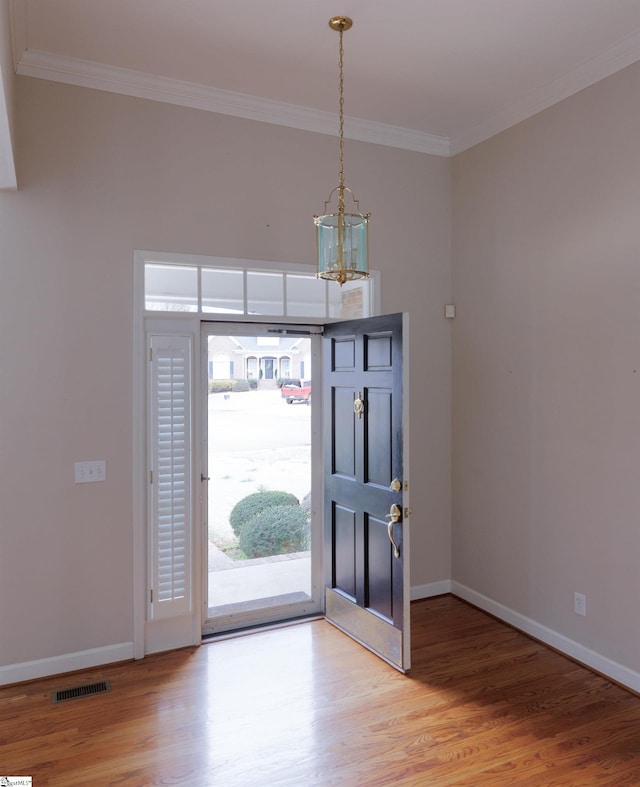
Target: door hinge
{"points": [[151, 596], [150, 476], [151, 353]]}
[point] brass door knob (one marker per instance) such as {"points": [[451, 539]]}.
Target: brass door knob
{"points": [[395, 514]]}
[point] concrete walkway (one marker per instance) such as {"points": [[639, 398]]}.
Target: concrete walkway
{"points": [[232, 582]]}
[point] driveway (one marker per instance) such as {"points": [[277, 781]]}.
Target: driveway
{"points": [[255, 441]]}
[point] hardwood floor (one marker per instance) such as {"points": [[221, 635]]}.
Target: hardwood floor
{"points": [[304, 705]]}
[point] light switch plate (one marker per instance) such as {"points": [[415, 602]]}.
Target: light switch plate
{"points": [[88, 472], [450, 311]]}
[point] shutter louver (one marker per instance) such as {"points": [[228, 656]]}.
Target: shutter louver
{"points": [[171, 485]]}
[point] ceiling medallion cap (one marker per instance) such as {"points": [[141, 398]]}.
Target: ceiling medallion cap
{"points": [[340, 23]]}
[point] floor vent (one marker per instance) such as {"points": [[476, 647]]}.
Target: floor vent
{"points": [[81, 691]]}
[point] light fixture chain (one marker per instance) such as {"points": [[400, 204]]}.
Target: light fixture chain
{"points": [[341, 107]]}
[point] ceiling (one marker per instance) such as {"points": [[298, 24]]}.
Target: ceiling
{"points": [[432, 75]]}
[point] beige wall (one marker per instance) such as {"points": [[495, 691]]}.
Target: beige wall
{"points": [[101, 175], [546, 371], [546, 367]]}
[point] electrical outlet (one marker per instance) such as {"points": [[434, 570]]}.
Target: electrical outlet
{"points": [[580, 604]]}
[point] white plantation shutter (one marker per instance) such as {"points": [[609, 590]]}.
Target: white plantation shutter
{"points": [[170, 476]]}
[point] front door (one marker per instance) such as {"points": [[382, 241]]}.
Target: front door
{"points": [[366, 540], [268, 368]]}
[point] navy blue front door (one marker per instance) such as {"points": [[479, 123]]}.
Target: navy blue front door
{"points": [[366, 565]]}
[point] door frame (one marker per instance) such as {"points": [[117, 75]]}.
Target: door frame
{"points": [[192, 633], [187, 322], [314, 329], [315, 606]]}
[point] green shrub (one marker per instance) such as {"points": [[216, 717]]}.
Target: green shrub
{"points": [[276, 531], [224, 386], [220, 386], [253, 504]]}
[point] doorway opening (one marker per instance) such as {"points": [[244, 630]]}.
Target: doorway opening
{"points": [[260, 565]]}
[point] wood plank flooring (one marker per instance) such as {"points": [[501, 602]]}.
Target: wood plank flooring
{"points": [[304, 705]]}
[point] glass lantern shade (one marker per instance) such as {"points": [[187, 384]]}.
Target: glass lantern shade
{"points": [[342, 246]]}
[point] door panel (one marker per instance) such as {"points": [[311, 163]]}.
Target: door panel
{"points": [[343, 439], [380, 569], [378, 467], [343, 353], [344, 548], [365, 580]]}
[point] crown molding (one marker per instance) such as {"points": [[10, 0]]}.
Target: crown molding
{"points": [[588, 73], [113, 79]]}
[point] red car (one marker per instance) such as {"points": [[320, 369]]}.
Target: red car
{"points": [[296, 391]]}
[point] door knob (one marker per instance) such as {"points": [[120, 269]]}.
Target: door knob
{"points": [[395, 485], [395, 513]]}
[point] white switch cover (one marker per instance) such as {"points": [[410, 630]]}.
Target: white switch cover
{"points": [[450, 311], [87, 472]]}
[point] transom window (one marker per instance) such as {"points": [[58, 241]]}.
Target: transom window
{"points": [[210, 286]]}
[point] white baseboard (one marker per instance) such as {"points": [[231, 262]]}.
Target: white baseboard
{"points": [[67, 662], [431, 589], [611, 669], [97, 657]]}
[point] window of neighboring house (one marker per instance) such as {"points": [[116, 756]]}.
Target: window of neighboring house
{"points": [[222, 368], [285, 366]]}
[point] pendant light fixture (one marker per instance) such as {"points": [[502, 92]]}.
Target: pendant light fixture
{"points": [[341, 236]]}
